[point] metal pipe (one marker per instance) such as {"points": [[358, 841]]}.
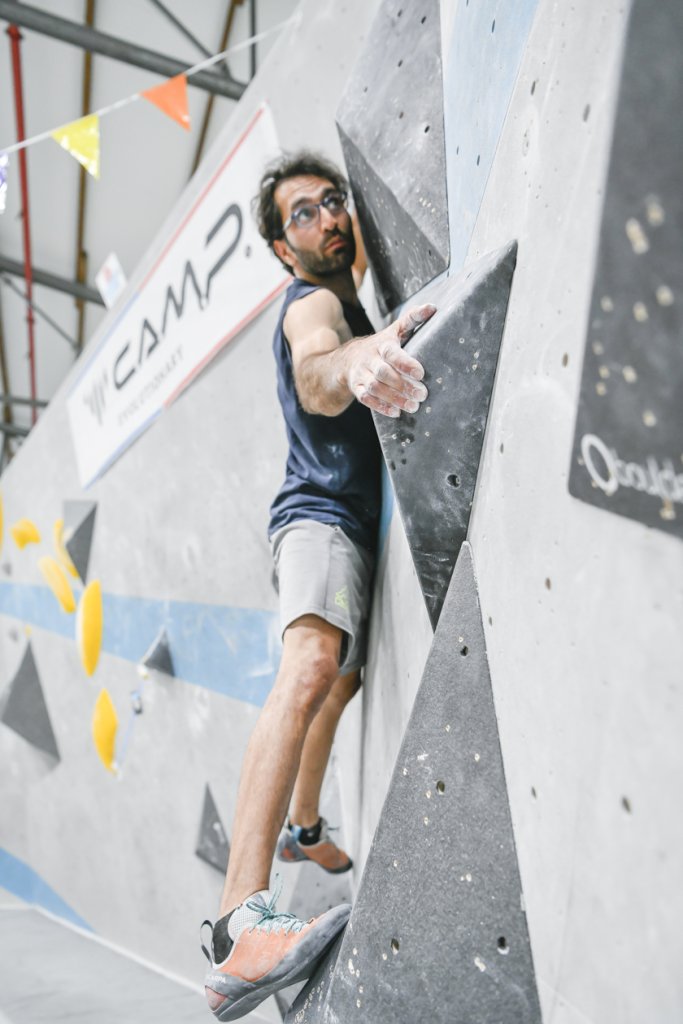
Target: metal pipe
{"points": [[15, 37], [12, 430], [119, 49], [58, 284], [81, 254], [252, 33], [41, 313], [39, 403], [184, 30], [227, 29], [4, 380]]}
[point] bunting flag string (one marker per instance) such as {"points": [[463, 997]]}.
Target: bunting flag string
{"points": [[81, 137]]}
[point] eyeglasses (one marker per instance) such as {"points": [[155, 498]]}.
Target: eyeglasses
{"points": [[309, 214]]}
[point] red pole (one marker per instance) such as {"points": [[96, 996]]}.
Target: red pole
{"points": [[15, 37]]}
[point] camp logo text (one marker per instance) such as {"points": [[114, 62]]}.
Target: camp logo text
{"points": [[609, 472]]}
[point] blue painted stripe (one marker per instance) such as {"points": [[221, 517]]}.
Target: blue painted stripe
{"points": [[387, 509], [19, 878], [232, 651], [484, 56]]}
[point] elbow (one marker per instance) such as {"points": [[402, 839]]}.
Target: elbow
{"points": [[316, 406]]}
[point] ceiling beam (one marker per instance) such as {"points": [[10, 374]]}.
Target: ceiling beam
{"points": [[222, 67], [59, 284], [227, 29], [39, 403], [12, 430], [119, 49]]}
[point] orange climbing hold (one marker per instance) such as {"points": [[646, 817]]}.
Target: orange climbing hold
{"points": [[57, 582], [25, 532], [105, 724], [89, 621]]}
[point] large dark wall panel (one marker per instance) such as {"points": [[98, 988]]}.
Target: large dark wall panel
{"points": [[438, 932], [390, 122], [433, 456], [628, 444]]}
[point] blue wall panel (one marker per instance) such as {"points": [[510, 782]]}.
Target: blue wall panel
{"points": [[482, 63]]}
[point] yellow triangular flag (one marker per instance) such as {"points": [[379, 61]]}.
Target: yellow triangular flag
{"points": [[82, 139]]}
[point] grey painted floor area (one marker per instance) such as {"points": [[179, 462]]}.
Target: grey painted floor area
{"points": [[51, 973]]}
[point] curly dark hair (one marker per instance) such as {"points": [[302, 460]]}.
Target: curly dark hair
{"points": [[289, 165]]}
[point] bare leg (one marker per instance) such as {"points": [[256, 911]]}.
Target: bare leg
{"points": [[308, 669], [316, 751]]}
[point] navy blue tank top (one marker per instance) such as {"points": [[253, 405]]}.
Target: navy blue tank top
{"points": [[334, 462]]}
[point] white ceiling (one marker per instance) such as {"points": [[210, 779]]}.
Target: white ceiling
{"points": [[146, 159]]}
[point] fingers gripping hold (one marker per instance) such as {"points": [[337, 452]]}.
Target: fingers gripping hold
{"points": [[384, 377], [408, 322]]}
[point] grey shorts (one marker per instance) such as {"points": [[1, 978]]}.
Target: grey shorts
{"points": [[318, 570]]}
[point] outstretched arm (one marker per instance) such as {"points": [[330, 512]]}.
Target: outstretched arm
{"points": [[331, 368]]}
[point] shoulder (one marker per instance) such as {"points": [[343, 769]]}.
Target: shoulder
{"points": [[314, 310]]}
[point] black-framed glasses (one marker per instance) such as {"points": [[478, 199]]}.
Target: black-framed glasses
{"points": [[309, 214]]}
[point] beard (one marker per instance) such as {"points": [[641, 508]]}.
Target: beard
{"points": [[327, 264]]}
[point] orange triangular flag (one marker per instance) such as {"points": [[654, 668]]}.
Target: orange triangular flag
{"points": [[171, 98]]}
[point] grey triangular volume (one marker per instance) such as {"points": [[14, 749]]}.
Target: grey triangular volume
{"points": [[159, 655], [393, 103], [79, 524], [212, 842], [24, 709], [433, 456], [403, 258], [437, 932]]}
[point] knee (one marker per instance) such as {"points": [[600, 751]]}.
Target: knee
{"points": [[310, 682]]}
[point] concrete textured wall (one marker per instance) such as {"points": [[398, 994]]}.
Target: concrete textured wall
{"points": [[581, 608]]}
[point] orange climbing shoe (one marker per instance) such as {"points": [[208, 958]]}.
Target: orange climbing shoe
{"points": [[257, 950], [325, 852]]}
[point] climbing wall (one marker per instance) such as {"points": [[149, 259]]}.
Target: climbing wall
{"points": [[138, 623], [506, 780]]}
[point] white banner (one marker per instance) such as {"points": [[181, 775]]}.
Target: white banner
{"points": [[213, 276]]}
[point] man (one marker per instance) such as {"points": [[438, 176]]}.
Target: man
{"points": [[332, 369]]}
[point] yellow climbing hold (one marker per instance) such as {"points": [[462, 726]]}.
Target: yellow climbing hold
{"points": [[89, 626], [57, 582], [62, 554], [25, 532], [105, 724]]}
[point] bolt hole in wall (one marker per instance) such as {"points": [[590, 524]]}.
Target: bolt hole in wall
{"points": [[503, 947], [453, 479], [394, 946], [626, 804], [464, 651], [441, 787]]}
